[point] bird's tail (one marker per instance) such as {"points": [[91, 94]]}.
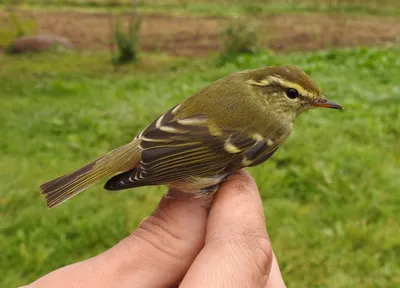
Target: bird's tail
{"points": [[119, 160]]}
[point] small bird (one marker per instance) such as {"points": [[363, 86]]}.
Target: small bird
{"points": [[238, 121]]}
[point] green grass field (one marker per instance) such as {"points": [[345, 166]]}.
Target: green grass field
{"points": [[331, 194], [225, 7]]}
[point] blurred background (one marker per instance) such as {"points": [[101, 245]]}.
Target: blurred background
{"points": [[81, 77]]}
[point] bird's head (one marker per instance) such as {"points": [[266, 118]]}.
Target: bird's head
{"points": [[288, 91]]}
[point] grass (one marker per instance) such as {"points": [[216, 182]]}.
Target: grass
{"points": [[330, 194], [228, 7]]}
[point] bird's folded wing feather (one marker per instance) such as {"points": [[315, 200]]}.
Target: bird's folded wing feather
{"points": [[174, 149]]}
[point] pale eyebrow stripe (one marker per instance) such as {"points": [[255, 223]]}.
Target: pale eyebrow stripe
{"points": [[278, 80]]}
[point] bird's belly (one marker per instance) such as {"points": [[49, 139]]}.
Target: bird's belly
{"points": [[199, 186]]}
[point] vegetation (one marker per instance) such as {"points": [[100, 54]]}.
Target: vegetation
{"points": [[12, 27], [240, 37], [230, 7], [127, 41], [330, 193]]}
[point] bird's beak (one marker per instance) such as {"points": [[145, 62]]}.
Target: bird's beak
{"points": [[322, 102]]}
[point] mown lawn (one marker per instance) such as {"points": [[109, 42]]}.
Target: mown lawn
{"points": [[331, 194]]}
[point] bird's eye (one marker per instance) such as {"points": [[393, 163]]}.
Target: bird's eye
{"points": [[292, 93]]}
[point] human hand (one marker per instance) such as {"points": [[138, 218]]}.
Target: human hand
{"points": [[187, 243]]}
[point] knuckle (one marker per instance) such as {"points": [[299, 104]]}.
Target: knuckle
{"points": [[156, 232], [251, 247], [262, 252], [259, 250]]}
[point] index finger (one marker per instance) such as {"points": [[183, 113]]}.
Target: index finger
{"points": [[237, 251]]}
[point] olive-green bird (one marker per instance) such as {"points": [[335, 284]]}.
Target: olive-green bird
{"points": [[237, 121]]}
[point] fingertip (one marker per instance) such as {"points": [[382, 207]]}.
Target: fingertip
{"points": [[239, 183], [237, 208]]}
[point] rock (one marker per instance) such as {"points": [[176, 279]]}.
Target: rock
{"points": [[38, 43]]}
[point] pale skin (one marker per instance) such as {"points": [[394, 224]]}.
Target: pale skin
{"points": [[187, 243]]}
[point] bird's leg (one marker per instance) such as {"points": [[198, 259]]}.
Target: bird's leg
{"points": [[207, 191], [211, 190]]}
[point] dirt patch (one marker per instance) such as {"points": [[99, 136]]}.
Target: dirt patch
{"points": [[312, 32], [197, 36]]}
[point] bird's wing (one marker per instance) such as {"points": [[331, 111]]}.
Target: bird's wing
{"points": [[174, 149]]}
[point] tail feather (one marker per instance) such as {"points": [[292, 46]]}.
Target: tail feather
{"points": [[63, 188]]}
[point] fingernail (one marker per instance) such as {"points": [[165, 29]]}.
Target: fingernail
{"points": [[140, 224]]}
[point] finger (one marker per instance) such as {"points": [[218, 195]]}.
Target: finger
{"points": [[157, 254], [161, 250], [275, 279], [237, 250]]}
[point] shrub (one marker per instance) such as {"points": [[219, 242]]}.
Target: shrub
{"points": [[240, 37], [14, 26], [127, 41]]}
